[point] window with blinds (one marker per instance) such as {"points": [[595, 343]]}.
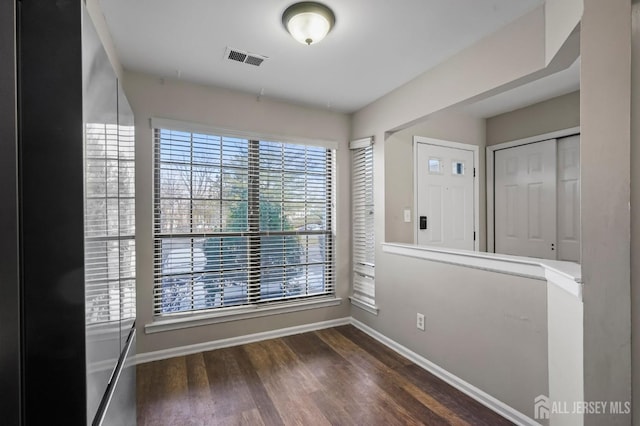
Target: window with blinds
{"points": [[363, 250], [240, 221], [109, 223]]}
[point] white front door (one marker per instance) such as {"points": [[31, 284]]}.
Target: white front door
{"points": [[445, 196], [525, 200]]}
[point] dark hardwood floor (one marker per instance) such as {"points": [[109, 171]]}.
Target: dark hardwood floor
{"points": [[337, 376]]}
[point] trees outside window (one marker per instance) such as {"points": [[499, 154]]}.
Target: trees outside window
{"points": [[240, 221]]}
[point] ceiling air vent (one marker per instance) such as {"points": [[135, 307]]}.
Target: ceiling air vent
{"points": [[244, 57]]}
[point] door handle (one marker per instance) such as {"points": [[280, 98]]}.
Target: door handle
{"points": [[423, 222]]}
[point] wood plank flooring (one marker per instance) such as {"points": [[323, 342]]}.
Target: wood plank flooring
{"points": [[337, 376]]}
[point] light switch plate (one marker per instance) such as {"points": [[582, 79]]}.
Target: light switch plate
{"points": [[407, 215]]}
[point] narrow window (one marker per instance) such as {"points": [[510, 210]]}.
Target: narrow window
{"points": [[363, 294]]}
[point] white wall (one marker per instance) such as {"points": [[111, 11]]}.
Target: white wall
{"points": [[153, 97]]}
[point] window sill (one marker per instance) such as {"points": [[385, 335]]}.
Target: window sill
{"points": [[178, 321], [566, 275], [372, 309]]}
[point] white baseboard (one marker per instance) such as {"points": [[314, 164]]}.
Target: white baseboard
{"points": [[236, 341], [482, 397]]}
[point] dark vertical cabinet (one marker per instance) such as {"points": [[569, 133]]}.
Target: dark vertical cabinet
{"points": [[67, 252], [10, 388], [51, 211]]}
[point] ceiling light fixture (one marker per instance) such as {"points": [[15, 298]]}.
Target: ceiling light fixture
{"points": [[308, 21]]}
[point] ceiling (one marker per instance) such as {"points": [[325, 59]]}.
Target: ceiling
{"points": [[375, 46], [560, 83]]}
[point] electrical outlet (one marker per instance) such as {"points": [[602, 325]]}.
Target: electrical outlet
{"points": [[420, 322]]}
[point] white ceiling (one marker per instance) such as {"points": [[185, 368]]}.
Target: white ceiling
{"points": [[376, 45]]}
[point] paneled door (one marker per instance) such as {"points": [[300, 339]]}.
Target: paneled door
{"points": [[445, 196], [525, 200], [568, 195]]}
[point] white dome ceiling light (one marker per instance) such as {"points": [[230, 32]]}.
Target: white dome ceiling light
{"points": [[308, 21]]}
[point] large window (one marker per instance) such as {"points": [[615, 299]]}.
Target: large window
{"points": [[240, 221]]}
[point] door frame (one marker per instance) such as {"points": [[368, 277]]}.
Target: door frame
{"points": [[491, 236], [475, 149]]}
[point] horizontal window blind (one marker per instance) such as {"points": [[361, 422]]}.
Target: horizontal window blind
{"points": [[199, 128], [109, 222], [363, 250], [240, 221]]}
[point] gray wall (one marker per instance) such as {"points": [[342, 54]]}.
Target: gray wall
{"points": [[154, 97], [562, 112], [605, 87], [559, 13], [400, 293], [565, 343], [635, 209], [512, 56], [514, 53], [487, 328]]}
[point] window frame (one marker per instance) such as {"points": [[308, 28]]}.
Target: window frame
{"points": [[254, 307]]}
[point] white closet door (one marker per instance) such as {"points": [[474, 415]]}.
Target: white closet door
{"points": [[569, 198], [445, 188], [525, 200]]}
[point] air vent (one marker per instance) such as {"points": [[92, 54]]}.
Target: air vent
{"points": [[234, 55], [254, 60], [244, 57]]}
